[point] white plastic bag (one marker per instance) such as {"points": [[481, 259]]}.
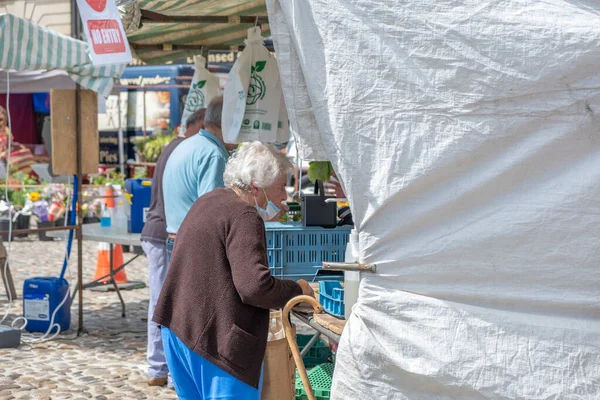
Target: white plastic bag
{"points": [[253, 106], [276, 331], [205, 86]]}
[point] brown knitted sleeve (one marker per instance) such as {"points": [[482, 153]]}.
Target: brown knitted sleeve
{"points": [[247, 255]]}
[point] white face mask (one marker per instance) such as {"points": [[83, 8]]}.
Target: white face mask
{"points": [[268, 213]]}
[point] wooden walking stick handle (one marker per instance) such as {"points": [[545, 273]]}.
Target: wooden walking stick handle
{"points": [[291, 338]]}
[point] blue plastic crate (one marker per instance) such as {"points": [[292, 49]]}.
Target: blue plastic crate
{"points": [[331, 297], [298, 252]]}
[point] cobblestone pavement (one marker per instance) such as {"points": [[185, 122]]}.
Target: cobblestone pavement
{"points": [[107, 363]]}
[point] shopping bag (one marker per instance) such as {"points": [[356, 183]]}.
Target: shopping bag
{"points": [[204, 87], [253, 105], [279, 376]]}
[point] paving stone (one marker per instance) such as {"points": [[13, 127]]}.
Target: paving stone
{"points": [[105, 365]]}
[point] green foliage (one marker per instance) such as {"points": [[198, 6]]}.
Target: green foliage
{"points": [[152, 146], [17, 198], [110, 177], [320, 170], [25, 179], [99, 180], [140, 172]]}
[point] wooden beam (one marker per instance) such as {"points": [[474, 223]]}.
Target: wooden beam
{"points": [[151, 17], [9, 284], [185, 47], [36, 230], [177, 47]]}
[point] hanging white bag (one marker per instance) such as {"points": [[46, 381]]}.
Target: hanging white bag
{"points": [[204, 87], [253, 107]]}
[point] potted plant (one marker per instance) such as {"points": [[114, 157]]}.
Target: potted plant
{"points": [[57, 203], [21, 218], [6, 211], [40, 210], [149, 148], [91, 211]]}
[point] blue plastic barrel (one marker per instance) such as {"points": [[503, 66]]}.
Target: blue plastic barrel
{"points": [[139, 194], [41, 296]]}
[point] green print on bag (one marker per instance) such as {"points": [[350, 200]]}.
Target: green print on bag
{"points": [[195, 100], [257, 88]]}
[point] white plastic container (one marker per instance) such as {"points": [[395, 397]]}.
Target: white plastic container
{"points": [[120, 218], [119, 215], [351, 278]]}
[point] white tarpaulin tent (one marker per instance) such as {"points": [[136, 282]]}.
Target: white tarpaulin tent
{"points": [[467, 137]]}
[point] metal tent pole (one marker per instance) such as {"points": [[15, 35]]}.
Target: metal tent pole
{"points": [[144, 105], [121, 139], [79, 232], [75, 32]]}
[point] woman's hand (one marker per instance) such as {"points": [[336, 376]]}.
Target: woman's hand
{"points": [[306, 288], [339, 192]]}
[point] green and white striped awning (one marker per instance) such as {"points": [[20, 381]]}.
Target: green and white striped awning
{"points": [[176, 29], [30, 47]]}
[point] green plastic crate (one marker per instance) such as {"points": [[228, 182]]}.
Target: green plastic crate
{"points": [[320, 378], [319, 353]]}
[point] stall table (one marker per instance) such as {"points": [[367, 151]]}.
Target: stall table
{"points": [[324, 324], [111, 235]]}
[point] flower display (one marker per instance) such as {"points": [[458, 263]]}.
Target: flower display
{"points": [[34, 196], [40, 209]]}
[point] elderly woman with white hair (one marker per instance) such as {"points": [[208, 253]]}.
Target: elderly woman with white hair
{"points": [[214, 305]]}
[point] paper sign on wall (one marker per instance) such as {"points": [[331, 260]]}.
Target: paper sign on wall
{"points": [[104, 31]]}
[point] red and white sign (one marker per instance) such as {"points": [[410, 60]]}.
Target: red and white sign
{"points": [[106, 37], [97, 5], [105, 33]]}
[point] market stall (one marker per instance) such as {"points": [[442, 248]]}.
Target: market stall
{"points": [[49, 51], [297, 247], [468, 159], [463, 134]]}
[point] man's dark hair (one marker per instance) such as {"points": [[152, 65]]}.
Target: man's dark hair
{"points": [[197, 116]]}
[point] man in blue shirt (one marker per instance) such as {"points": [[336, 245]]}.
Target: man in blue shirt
{"points": [[194, 169], [154, 237]]}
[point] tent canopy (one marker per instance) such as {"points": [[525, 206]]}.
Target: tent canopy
{"points": [[30, 47], [465, 134], [161, 31], [34, 81]]}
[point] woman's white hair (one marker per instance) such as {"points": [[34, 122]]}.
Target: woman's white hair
{"points": [[257, 163]]}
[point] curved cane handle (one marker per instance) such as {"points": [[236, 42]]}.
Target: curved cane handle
{"points": [[291, 338]]}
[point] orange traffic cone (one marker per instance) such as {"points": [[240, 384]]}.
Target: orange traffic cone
{"points": [[103, 263]]}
